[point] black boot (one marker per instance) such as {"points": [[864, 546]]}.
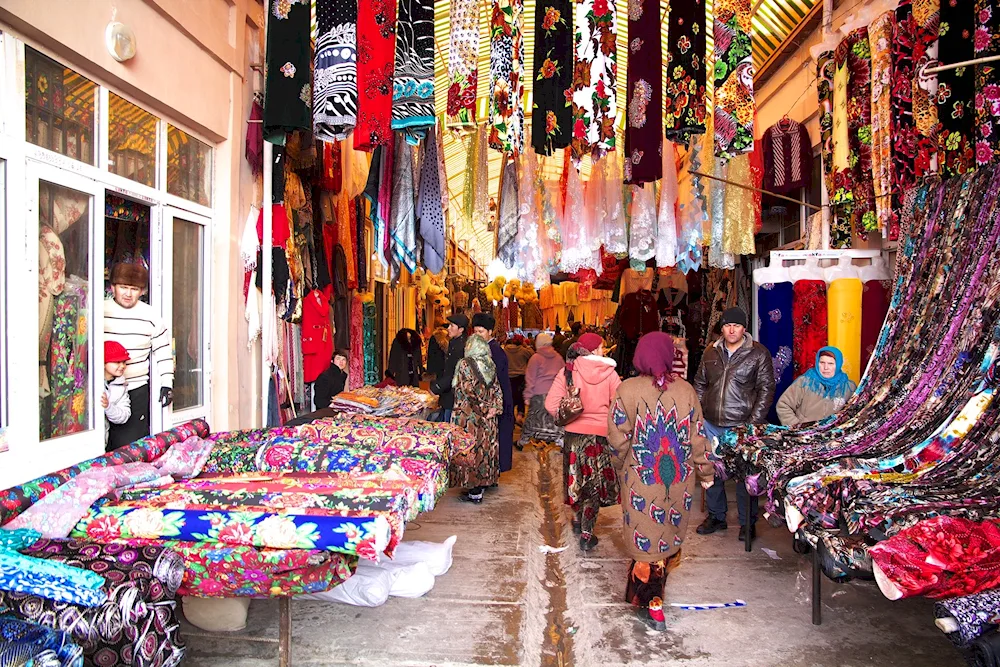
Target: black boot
{"points": [[710, 525]]}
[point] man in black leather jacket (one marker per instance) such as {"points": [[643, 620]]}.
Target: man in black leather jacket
{"points": [[457, 325], [735, 384]]}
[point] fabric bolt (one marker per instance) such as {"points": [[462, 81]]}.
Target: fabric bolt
{"points": [[956, 89], [506, 111], [880, 41], [826, 65], [874, 306], [904, 132], [844, 313], [809, 323], [686, 109], [287, 74], [741, 207], [927, 22], [431, 218], [975, 614], [776, 333], [591, 482], [595, 72], [402, 224], [644, 93], [53, 581], [787, 153], [734, 101], [507, 215], [666, 219], [859, 127], [413, 77], [335, 99], [463, 62], [842, 196], [986, 43], [551, 116], [376, 67], [24, 643]]}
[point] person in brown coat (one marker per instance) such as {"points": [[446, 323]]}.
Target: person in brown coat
{"points": [[656, 430]]}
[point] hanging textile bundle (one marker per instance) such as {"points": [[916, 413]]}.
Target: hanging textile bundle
{"points": [[615, 232], [987, 98], [594, 77], [685, 92], [859, 133], [642, 243], [842, 196], [956, 89], [734, 101], [741, 207], [287, 88], [376, 67], [927, 21], [463, 62], [429, 213], [402, 226], [551, 117], [880, 39], [413, 79], [335, 102], [905, 140], [666, 220], [825, 68], [506, 74], [644, 93], [507, 215]]}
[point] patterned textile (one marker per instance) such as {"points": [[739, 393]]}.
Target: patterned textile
{"points": [[904, 133], [938, 558], [987, 99], [335, 100], [642, 224], [666, 218], [595, 72], [842, 196], [463, 62], [787, 153], [844, 322], [776, 326], [685, 110], [402, 229], [590, 477], [734, 101], [375, 71], [644, 93], [859, 129], [506, 119], [185, 459], [373, 372], [551, 117], [809, 317], [742, 206], [68, 364], [53, 581], [430, 216], [826, 65], [24, 643], [539, 424], [880, 41], [477, 407], [507, 216], [874, 305], [288, 95], [975, 614], [413, 78], [927, 20], [956, 89], [16, 499]]}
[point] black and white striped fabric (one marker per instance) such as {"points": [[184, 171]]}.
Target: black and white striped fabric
{"points": [[141, 332], [413, 81], [335, 99]]}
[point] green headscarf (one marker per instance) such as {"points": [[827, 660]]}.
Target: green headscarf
{"points": [[477, 351]]}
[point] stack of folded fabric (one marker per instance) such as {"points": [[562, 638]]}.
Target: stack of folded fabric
{"points": [[24, 643], [350, 401]]}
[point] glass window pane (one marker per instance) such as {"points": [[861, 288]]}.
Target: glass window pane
{"points": [[188, 322], [189, 167], [3, 306], [64, 310], [59, 107], [132, 141]]}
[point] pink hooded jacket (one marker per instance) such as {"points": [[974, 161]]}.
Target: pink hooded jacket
{"points": [[598, 381]]}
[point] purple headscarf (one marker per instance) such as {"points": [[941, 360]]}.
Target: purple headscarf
{"points": [[654, 356]]}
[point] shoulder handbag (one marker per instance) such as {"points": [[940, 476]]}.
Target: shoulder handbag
{"points": [[570, 405]]}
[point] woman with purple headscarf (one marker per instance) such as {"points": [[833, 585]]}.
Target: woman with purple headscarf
{"points": [[657, 434]]}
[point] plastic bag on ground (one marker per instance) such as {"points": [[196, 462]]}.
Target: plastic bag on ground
{"points": [[437, 555]]}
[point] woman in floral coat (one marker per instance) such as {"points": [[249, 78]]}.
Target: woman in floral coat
{"points": [[659, 446], [478, 403]]}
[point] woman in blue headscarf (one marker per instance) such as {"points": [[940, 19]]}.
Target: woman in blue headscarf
{"points": [[818, 393]]}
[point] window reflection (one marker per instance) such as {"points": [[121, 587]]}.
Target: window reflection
{"points": [[59, 107], [131, 141], [189, 167], [188, 302]]}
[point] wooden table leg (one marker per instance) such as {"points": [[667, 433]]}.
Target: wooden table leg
{"points": [[817, 585], [285, 631]]}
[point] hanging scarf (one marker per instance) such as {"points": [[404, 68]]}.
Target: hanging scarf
{"points": [[480, 180], [551, 118], [956, 89], [880, 39], [287, 89], [644, 92], [615, 233], [927, 17], [734, 101], [477, 351], [507, 216], [859, 132], [642, 243], [376, 68], [825, 67], [413, 79], [371, 193], [528, 244], [987, 43], [594, 76], [506, 74], [842, 196], [335, 103], [717, 256], [739, 209], [576, 252], [402, 229], [838, 386], [385, 191], [685, 71], [666, 221], [463, 62], [429, 211], [904, 144]]}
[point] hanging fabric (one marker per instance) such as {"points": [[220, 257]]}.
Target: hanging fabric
{"points": [[987, 98], [825, 68], [413, 79], [528, 241], [774, 313], [576, 242], [551, 118], [717, 255], [287, 86], [594, 78], [905, 139], [506, 74], [859, 133], [642, 241], [463, 62], [685, 71], [692, 211], [809, 328], [615, 232], [734, 101], [926, 14], [666, 219], [402, 229], [740, 220], [429, 213], [335, 101], [787, 153], [844, 323], [481, 178], [956, 89], [372, 195], [842, 195], [376, 67], [880, 40], [644, 93], [507, 215], [875, 296]]}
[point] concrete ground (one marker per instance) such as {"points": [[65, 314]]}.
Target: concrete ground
{"points": [[505, 603]]}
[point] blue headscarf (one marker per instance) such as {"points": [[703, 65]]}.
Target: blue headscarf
{"points": [[839, 386]]}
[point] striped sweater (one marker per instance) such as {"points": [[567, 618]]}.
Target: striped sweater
{"points": [[146, 338]]}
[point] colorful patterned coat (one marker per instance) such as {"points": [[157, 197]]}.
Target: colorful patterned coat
{"points": [[660, 455], [477, 406]]}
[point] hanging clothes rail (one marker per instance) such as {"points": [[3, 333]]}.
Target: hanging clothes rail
{"points": [[964, 63], [748, 187]]}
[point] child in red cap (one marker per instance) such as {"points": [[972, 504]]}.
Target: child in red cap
{"points": [[115, 400]]}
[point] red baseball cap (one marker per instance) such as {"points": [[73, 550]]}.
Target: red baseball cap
{"points": [[114, 351]]}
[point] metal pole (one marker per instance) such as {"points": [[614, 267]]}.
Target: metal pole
{"points": [[266, 317], [964, 63], [817, 607], [749, 187]]}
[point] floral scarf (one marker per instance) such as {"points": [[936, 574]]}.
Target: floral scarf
{"points": [[685, 88], [927, 19], [551, 117], [904, 132], [859, 132], [463, 62], [477, 351], [956, 89], [594, 78], [506, 73], [825, 68], [880, 39], [645, 93], [987, 100], [734, 101], [376, 45]]}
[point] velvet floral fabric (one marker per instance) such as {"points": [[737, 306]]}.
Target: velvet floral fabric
{"points": [[809, 317], [859, 128], [927, 21], [734, 101], [685, 111], [644, 92], [595, 72], [880, 41], [552, 113], [905, 141], [986, 43], [463, 62], [375, 71], [825, 67], [506, 108], [956, 89]]}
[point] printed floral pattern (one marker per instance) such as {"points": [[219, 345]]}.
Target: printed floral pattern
{"points": [[551, 113], [927, 19], [987, 94], [956, 89], [463, 62], [905, 141], [880, 39], [506, 73], [644, 91], [375, 71], [734, 101], [595, 73], [685, 109], [825, 68]]}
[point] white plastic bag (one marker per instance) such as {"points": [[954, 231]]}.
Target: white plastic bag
{"points": [[216, 614], [410, 581], [437, 555], [367, 587]]}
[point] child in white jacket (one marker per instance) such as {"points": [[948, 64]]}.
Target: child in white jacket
{"points": [[115, 400]]}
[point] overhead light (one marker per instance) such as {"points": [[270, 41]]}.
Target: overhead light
{"points": [[120, 41]]}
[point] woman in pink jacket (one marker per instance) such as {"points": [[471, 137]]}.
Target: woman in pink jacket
{"points": [[591, 482]]}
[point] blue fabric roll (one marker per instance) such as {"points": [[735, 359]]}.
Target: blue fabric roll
{"points": [[774, 313], [24, 643]]}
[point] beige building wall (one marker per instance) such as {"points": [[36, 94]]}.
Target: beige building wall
{"points": [[193, 68]]}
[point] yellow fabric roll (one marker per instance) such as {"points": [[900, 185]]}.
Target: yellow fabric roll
{"points": [[844, 325]]}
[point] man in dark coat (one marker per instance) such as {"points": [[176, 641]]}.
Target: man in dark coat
{"points": [[482, 325], [457, 325]]}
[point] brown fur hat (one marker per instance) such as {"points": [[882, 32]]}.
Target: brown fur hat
{"points": [[135, 275]]}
